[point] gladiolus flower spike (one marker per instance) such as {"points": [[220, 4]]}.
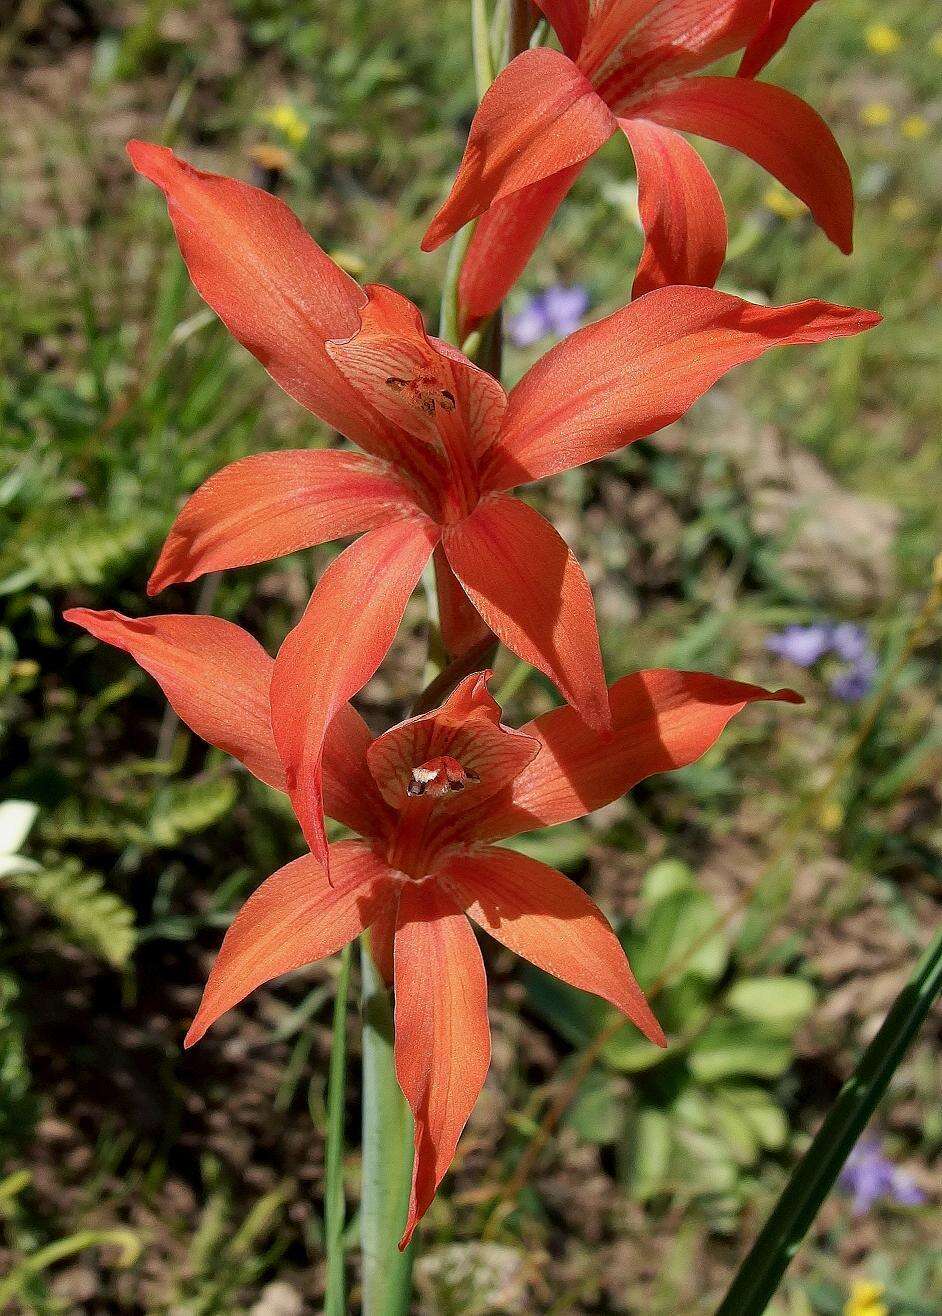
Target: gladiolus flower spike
{"points": [[443, 445], [634, 66], [430, 799]]}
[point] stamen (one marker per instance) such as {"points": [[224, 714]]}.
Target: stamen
{"points": [[439, 777]]}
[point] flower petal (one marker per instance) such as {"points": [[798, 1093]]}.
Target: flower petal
{"points": [[344, 635], [770, 39], [268, 281], [505, 238], [538, 117], [460, 623], [569, 20], [443, 1040], [541, 915], [217, 678], [214, 674], [631, 43], [466, 728], [637, 370], [293, 919], [661, 720], [274, 503], [776, 129], [681, 210], [528, 587], [425, 388]]}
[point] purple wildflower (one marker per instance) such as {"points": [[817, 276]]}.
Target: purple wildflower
{"points": [[869, 1177], [849, 641], [802, 645], [856, 681], [559, 310]]}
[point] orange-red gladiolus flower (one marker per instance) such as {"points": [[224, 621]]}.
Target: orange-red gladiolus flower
{"points": [[633, 65], [429, 798], [443, 444]]}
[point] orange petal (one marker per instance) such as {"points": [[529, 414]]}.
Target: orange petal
{"points": [[214, 674], [568, 19], [538, 117], [268, 281], [632, 43], [541, 915], [640, 369], [460, 623], [344, 635], [505, 238], [293, 919], [443, 1040], [770, 39], [681, 210], [274, 503], [661, 720], [467, 728], [528, 587], [776, 129]]}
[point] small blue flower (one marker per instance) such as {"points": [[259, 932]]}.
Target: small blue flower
{"points": [[559, 310], [849, 641], [802, 645], [565, 307], [856, 681], [869, 1177]]}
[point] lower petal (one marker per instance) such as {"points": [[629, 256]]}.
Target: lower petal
{"points": [[539, 914], [681, 210], [294, 918], [531, 591], [443, 1040], [344, 635], [776, 129]]}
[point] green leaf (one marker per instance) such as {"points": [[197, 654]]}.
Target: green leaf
{"points": [[598, 1112], [781, 1003], [653, 1138], [665, 879], [575, 1015], [732, 1047], [812, 1179], [94, 916], [187, 807], [561, 847], [678, 931]]}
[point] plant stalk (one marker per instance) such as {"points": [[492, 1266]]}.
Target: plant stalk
{"points": [[335, 1299]]}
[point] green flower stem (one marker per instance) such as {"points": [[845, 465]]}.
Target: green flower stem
{"points": [[335, 1299], [387, 1156], [814, 1176]]}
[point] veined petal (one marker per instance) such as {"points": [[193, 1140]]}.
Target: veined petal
{"points": [[216, 678], [640, 369], [274, 503], [467, 728], [344, 635], [443, 1040], [460, 623], [660, 720], [423, 386], [541, 915], [631, 43], [269, 282], [522, 578], [776, 129], [568, 19], [770, 38], [505, 238], [538, 117], [681, 210], [295, 918], [214, 674]]}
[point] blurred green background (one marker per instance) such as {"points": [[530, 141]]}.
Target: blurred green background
{"points": [[773, 895]]}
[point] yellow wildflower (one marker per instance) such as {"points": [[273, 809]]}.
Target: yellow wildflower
{"points": [[881, 39], [782, 203], [288, 122], [903, 209], [349, 261], [877, 114], [915, 127], [865, 1299], [936, 42]]}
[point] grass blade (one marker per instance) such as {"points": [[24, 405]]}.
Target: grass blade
{"points": [[814, 1176], [335, 1299]]}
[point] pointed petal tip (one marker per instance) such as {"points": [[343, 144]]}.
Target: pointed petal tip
{"points": [[150, 160], [787, 696], [193, 1034]]}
